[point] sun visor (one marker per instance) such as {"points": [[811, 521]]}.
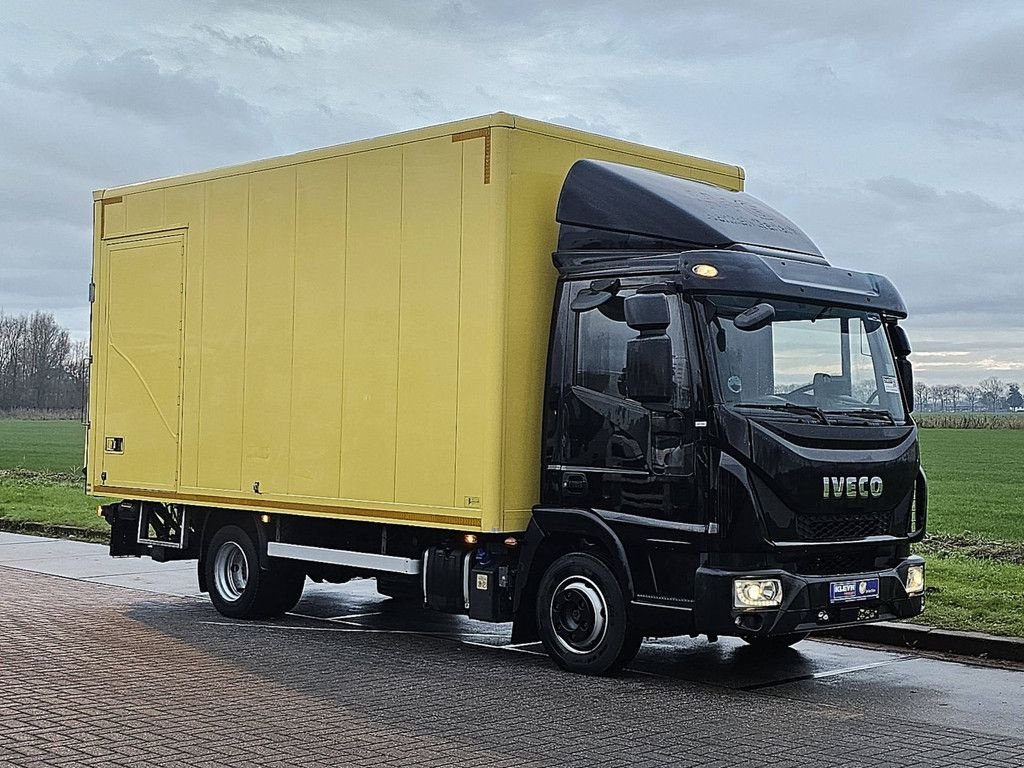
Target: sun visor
{"points": [[612, 198]]}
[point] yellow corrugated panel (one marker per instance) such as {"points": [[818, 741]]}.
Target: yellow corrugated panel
{"points": [[269, 316], [481, 322], [222, 356], [372, 274], [318, 352], [428, 322], [144, 211]]}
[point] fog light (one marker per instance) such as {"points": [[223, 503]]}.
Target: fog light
{"points": [[915, 580], [757, 593]]}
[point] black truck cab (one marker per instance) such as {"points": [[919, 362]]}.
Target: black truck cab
{"points": [[726, 426]]}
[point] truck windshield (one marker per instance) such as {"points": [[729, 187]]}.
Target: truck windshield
{"points": [[812, 358]]}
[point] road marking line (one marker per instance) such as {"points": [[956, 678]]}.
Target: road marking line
{"points": [[353, 616], [514, 648], [828, 673]]}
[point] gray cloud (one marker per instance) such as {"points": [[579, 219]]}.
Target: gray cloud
{"points": [[890, 132], [255, 44]]}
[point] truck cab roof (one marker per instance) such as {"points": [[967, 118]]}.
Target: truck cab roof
{"points": [[618, 220]]}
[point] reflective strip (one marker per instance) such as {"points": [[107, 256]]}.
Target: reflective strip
{"points": [[367, 560]]}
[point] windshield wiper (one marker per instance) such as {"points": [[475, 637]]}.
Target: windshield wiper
{"points": [[866, 412], [789, 407]]}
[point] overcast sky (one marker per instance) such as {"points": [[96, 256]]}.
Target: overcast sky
{"points": [[893, 133]]}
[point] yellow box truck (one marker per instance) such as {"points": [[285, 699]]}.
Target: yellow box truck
{"points": [[466, 361]]}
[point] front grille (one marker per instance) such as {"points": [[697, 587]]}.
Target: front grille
{"points": [[834, 563], [841, 526]]}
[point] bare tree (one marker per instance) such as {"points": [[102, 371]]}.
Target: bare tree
{"points": [[971, 396], [922, 396], [955, 393], [38, 367], [992, 392]]}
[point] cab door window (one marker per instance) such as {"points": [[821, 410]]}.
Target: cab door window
{"points": [[601, 349], [601, 339]]}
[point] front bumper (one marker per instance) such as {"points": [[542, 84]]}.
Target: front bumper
{"points": [[805, 607]]}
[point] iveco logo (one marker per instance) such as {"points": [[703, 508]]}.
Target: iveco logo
{"points": [[851, 487]]}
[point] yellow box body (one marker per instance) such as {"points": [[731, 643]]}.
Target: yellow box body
{"points": [[356, 332]]}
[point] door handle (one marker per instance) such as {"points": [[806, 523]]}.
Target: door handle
{"points": [[574, 483]]}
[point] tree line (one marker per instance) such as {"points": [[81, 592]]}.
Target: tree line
{"points": [[991, 394], [41, 367]]}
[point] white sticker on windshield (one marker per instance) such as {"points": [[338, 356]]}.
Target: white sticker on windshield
{"points": [[890, 385]]}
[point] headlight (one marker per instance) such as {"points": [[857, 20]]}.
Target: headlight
{"points": [[757, 593], [915, 580]]}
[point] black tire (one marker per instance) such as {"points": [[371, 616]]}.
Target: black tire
{"points": [[583, 618], [775, 643], [291, 580], [239, 588]]}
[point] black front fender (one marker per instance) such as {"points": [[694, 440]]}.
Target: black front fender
{"points": [[553, 531]]}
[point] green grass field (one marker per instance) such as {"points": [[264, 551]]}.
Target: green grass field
{"points": [[53, 446], [975, 481], [976, 492]]}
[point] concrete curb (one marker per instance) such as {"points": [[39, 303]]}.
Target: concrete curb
{"points": [[924, 638], [52, 530]]}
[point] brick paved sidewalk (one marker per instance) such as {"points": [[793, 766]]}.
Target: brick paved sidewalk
{"points": [[97, 675]]}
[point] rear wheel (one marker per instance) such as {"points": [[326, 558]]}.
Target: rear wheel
{"points": [[775, 643], [239, 588], [583, 618]]}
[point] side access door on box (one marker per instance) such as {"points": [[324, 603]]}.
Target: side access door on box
{"points": [[141, 296]]}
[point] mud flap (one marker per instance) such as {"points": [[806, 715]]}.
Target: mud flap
{"points": [[123, 518]]}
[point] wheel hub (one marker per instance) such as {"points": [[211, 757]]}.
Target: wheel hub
{"points": [[579, 614], [230, 571]]}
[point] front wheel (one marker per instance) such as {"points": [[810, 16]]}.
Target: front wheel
{"points": [[583, 617]]}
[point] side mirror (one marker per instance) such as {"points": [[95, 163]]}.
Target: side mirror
{"points": [[755, 318], [900, 342], [904, 368], [647, 313], [649, 356], [905, 371]]}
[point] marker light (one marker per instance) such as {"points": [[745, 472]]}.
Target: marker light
{"points": [[757, 593], [915, 580], [470, 538], [264, 518], [705, 270]]}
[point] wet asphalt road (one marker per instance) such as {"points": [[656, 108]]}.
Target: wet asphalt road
{"points": [[976, 708]]}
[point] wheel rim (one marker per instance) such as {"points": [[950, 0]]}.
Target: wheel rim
{"points": [[579, 615], [230, 571]]}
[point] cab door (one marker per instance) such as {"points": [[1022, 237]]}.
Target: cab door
{"points": [[143, 309], [619, 455]]}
